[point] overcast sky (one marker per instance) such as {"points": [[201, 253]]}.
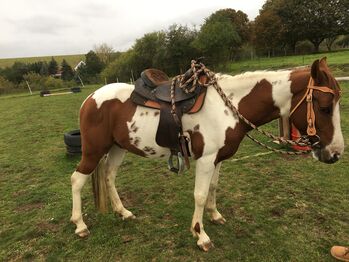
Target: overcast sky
{"points": [[57, 27]]}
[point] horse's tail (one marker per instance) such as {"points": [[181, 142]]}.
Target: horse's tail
{"points": [[99, 186]]}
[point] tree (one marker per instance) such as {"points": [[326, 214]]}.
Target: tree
{"points": [[52, 67], [16, 72], [268, 29], [44, 69], [314, 20], [67, 71], [104, 52], [145, 51], [218, 39], [238, 19], [93, 64], [179, 50]]}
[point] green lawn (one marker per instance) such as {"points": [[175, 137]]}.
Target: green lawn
{"points": [[338, 61], [72, 60], [277, 208]]}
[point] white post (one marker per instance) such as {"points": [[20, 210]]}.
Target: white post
{"points": [[133, 79], [30, 90], [81, 81]]}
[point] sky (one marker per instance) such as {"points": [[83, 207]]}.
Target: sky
{"points": [[63, 27]]}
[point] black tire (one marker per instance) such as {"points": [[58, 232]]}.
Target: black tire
{"points": [[44, 92], [75, 89], [73, 150], [72, 138]]}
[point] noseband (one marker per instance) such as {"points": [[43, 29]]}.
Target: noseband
{"points": [[308, 97]]}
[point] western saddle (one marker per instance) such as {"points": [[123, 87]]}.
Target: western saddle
{"points": [[183, 94]]}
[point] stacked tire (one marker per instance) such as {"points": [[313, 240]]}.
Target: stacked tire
{"points": [[72, 140]]}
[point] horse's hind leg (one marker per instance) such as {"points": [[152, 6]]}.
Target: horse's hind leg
{"points": [[211, 207], [114, 160], [78, 179]]}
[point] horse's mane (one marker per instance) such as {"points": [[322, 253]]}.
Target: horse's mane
{"points": [[260, 72]]}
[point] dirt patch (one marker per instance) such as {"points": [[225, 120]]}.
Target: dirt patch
{"points": [[47, 226], [29, 207]]}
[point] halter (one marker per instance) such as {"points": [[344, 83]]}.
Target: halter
{"points": [[308, 96]]}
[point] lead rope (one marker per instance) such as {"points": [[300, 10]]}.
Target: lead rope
{"points": [[199, 68]]}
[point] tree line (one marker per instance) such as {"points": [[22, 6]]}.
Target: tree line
{"points": [[282, 27], [50, 75]]}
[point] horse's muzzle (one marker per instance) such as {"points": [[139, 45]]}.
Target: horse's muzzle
{"points": [[325, 156]]}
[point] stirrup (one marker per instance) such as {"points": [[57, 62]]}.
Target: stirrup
{"points": [[179, 169]]}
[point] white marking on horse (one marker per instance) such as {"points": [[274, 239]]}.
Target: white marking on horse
{"points": [[337, 144], [120, 91], [147, 121]]}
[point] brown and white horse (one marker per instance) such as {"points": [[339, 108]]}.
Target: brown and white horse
{"points": [[111, 124]]}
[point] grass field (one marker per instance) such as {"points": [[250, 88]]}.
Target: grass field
{"points": [[277, 208], [72, 60], [339, 62]]}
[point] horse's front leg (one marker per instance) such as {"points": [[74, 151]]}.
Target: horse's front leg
{"points": [[204, 171], [211, 207]]}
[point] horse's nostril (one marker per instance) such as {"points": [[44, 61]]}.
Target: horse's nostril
{"points": [[335, 157]]}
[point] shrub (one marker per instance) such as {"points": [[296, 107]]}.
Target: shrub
{"points": [[5, 86]]}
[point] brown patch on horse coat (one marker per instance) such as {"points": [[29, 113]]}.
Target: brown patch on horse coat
{"points": [[197, 143], [299, 80], [197, 127], [226, 112], [197, 227], [156, 113], [136, 142], [102, 127], [262, 111], [149, 150]]}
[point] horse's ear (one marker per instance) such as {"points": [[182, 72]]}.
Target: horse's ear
{"points": [[323, 63], [315, 69], [323, 60]]}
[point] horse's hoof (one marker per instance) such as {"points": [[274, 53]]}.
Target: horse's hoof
{"points": [[84, 233], [129, 217], [206, 246], [219, 221]]}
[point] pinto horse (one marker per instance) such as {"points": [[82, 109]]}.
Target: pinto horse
{"points": [[111, 124]]}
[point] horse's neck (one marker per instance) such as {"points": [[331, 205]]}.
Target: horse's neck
{"points": [[260, 96]]}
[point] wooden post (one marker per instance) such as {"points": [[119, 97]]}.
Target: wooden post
{"points": [[284, 127]]}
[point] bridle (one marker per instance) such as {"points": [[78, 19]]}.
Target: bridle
{"points": [[308, 97]]}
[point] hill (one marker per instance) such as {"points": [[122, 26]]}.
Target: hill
{"points": [[71, 59]]}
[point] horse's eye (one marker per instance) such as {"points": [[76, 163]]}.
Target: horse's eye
{"points": [[326, 110]]}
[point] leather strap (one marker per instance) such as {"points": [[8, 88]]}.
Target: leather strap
{"points": [[308, 96]]}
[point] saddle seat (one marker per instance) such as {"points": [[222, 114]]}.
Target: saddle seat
{"points": [[153, 90]]}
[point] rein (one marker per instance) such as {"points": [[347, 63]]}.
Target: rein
{"points": [[198, 68]]}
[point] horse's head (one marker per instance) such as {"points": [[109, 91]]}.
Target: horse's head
{"points": [[318, 116]]}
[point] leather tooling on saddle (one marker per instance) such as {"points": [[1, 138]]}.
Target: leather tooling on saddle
{"points": [[153, 90]]}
